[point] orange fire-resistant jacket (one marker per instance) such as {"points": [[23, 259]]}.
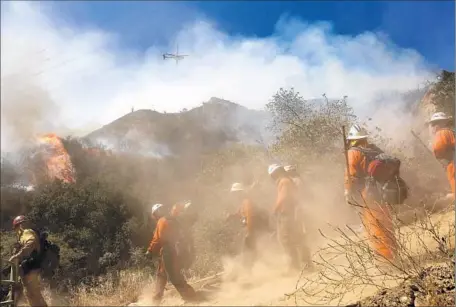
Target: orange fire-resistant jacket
{"points": [[357, 166], [286, 196], [247, 212], [443, 148], [164, 233]]}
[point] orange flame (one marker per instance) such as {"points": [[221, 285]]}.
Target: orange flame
{"points": [[58, 162]]}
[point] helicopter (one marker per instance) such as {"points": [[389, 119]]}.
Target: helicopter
{"points": [[175, 56]]}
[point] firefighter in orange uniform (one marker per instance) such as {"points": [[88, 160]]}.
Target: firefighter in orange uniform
{"points": [[289, 228], [253, 221], [302, 211], [375, 215], [186, 215], [443, 145], [166, 237]]}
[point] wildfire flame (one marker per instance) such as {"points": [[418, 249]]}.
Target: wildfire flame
{"points": [[58, 160]]}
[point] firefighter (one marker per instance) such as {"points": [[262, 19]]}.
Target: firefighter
{"points": [[302, 214], [27, 256], [165, 244], [376, 216], [185, 214], [443, 145], [289, 230], [253, 220]]}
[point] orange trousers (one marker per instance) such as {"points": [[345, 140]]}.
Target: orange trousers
{"points": [[378, 223], [249, 250], [292, 238], [169, 268]]}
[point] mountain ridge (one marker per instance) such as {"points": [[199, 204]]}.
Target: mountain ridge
{"points": [[210, 126]]}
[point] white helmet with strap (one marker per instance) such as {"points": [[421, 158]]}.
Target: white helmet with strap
{"points": [[357, 133], [438, 117], [156, 207], [187, 205], [274, 168]]}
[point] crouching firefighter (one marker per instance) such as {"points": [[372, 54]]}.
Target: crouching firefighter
{"points": [[443, 145], [165, 244], [289, 228], [28, 255], [254, 220], [373, 182]]}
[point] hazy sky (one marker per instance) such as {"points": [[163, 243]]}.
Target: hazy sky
{"points": [[73, 67]]}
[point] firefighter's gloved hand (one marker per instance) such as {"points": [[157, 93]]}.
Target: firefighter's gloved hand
{"points": [[147, 253]]}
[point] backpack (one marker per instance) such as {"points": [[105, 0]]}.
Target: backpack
{"points": [[262, 220], [395, 191], [383, 167], [47, 260], [383, 181], [49, 256], [183, 244], [379, 165]]}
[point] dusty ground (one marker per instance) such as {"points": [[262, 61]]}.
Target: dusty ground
{"points": [[268, 285]]}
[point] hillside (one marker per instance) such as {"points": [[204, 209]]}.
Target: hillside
{"points": [[213, 125], [218, 123]]}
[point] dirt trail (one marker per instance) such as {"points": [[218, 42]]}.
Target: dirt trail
{"points": [[267, 285]]}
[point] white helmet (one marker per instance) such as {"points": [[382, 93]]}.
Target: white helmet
{"points": [[156, 207], [273, 168], [237, 187], [290, 168], [439, 116], [187, 204], [357, 133]]}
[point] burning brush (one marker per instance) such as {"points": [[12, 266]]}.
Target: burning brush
{"points": [[57, 159]]}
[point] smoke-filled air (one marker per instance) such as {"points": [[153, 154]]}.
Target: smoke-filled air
{"points": [[174, 157]]}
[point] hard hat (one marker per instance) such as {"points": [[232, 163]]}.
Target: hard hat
{"points": [[273, 168], [19, 220], [156, 207], [237, 187], [187, 204], [357, 133], [439, 116], [290, 168]]}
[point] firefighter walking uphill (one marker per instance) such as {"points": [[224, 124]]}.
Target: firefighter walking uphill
{"points": [[372, 181]]}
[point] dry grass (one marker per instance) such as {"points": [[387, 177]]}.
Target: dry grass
{"points": [[112, 290]]}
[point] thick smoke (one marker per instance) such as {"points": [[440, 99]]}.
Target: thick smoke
{"points": [[26, 109], [92, 81]]}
